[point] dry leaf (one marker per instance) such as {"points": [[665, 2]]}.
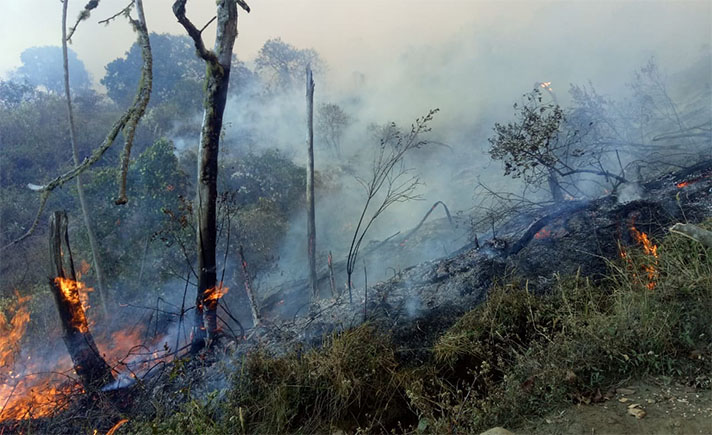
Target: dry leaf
{"points": [[637, 412]]}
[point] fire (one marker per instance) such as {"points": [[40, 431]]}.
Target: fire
{"points": [[543, 234], [694, 180], [215, 293], [77, 293], [650, 249], [546, 85], [33, 396], [24, 394], [11, 332], [83, 269], [114, 428], [34, 384]]}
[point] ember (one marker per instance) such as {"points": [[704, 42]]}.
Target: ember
{"points": [[694, 180], [542, 234]]}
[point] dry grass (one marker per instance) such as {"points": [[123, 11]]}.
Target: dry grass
{"points": [[516, 356]]}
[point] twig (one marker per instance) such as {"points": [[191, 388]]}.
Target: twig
{"points": [[208, 23], [124, 11], [182, 310], [365, 290]]}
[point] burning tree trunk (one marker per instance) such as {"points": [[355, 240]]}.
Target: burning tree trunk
{"points": [[88, 363], [217, 79], [311, 224]]}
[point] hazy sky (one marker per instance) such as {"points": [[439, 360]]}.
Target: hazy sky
{"points": [[370, 35]]}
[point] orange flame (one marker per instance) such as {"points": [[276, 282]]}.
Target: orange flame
{"points": [[650, 249], [694, 180], [215, 293], [24, 395], [115, 427], [542, 234], [77, 294], [11, 332], [33, 386]]}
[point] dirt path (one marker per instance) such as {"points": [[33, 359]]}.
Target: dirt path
{"points": [[664, 410]]}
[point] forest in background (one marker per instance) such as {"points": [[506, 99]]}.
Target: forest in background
{"points": [[543, 153]]}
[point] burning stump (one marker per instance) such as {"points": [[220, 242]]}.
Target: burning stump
{"points": [[93, 371]]}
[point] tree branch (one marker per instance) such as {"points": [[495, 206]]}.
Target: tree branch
{"points": [[193, 32], [140, 101]]}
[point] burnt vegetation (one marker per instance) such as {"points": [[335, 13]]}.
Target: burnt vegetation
{"points": [[207, 277]]}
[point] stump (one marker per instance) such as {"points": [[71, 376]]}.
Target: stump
{"points": [[93, 371]]}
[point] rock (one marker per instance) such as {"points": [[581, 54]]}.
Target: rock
{"points": [[625, 391], [497, 431]]}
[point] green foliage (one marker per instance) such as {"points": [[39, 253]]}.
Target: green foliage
{"points": [[347, 384], [42, 67], [155, 184], [530, 145], [177, 73], [519, 355], [268, 176]]}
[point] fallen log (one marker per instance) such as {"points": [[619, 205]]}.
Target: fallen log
{"points": [[91, 368], [693, 232]]}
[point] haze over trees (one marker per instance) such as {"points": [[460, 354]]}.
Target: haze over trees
{"points": [[187, 266]]}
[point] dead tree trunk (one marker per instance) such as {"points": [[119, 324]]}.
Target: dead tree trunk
{"points": [[217, 79], [332, 283], [311, 224], [93, 371], [248, 289], [80, 184]]}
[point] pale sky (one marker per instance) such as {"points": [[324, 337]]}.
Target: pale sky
{"points": [[366, 35]]}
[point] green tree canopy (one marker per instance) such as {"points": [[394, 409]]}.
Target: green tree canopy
{"points": [[42, 68]]}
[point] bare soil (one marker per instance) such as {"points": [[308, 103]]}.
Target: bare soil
{"points": [[670, 408]]}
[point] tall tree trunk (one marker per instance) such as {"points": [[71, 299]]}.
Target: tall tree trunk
{"points": [[75, 156], [88, 363], [217, 78], [311, 224]]}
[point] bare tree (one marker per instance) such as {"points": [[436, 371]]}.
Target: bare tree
{"points": [[281, 64], [539, 145], [217, 80], [75, 156], [390, 181], [311, 220], [331, 122]]}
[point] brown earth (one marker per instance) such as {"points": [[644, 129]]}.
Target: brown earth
{"points": [[670, 408]]}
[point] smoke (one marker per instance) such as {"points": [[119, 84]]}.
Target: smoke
{"points": [[473, 74]]}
